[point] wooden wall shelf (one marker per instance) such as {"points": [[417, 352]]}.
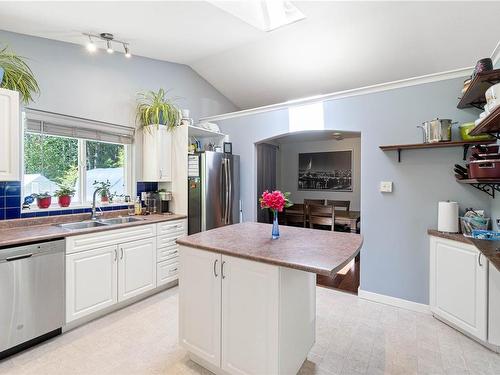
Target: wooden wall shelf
{"points": [[490, 125], [416, 146], [474, 96], [486, 185]]}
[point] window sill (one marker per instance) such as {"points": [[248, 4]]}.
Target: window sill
{"points": [[75, 207]]}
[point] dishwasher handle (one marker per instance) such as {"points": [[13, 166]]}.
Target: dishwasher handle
{"points": [[18, 257]]}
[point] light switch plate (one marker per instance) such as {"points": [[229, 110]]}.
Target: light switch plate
{"points": [[386, 186]]}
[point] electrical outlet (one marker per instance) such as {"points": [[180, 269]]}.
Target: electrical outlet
{"points": [[386, 186]]}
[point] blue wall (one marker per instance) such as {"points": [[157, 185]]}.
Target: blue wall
{"points": [[395, 254]]}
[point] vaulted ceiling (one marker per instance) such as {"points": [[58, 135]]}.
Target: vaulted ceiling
{"points": [[339, 46]]}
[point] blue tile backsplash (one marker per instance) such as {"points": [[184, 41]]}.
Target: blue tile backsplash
{"points": [[145, 186], [10, 203]]}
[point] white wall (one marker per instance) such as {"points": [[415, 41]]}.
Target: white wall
{"points": [[289, 162]]}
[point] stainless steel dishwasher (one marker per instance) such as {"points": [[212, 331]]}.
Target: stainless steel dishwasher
{"points": [[32, 290]]}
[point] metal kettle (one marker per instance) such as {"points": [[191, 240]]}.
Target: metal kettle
{"points": [[437, 130]]}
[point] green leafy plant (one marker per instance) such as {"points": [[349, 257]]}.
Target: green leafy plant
{"points": [[64, 191], [155, 108], [41, 195], [104, 186], [18, 75]]}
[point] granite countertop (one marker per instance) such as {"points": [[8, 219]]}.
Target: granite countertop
{"points": [[490, 249], [318, 251], [20, 231]]}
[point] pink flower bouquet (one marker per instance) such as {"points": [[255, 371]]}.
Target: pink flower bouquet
{"points": [[276, 201]]}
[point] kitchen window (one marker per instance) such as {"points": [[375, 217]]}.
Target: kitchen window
{"points": [[75, 152]]}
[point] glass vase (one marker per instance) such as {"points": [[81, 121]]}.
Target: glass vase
{"points": [[276, 228]]}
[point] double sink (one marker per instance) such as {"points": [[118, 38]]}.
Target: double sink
{"points": [[98, 223]]}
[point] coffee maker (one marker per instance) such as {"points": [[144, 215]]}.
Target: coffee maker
{"points": [[157, 202]]}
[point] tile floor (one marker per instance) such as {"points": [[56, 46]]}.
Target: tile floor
{"points": [[354, 336]]}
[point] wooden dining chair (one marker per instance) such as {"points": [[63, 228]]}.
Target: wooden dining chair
{"points": [[296, 214], [344, 205], [321, 215], [318, 202]]}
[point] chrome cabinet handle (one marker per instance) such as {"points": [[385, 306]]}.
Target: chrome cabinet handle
{"points": [[121, 253], [116, 254], [222, 270], [215, 268], [479, 259]]}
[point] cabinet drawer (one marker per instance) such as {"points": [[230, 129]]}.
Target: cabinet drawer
{"points": [[89, 241], [167, 253], [174, 227], [166, 272], [168, 240]]}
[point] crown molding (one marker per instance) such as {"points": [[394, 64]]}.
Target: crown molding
{"points": [[348, 93]]}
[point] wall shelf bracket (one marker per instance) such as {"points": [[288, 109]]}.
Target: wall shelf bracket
{"points": [[489, 189]]}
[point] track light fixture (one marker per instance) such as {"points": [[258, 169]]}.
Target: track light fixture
{"points": [[91, 47], [109, 39]]}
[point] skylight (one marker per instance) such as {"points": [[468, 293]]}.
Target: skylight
{"points": [[265, 15]]}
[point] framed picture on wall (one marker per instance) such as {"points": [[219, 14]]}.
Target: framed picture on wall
{"points": [[330, 171]]}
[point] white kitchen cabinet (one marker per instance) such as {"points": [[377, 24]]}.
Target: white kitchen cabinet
{"points": [[156, 154], [10, 129], [200, 307], [136, 268], [459, 285], [249, 317], [494, 306], [91, 281], [238, 316]]}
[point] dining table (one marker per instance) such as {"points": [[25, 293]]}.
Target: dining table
{"points": [[342, 217]]}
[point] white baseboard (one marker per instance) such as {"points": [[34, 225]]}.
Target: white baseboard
{"points": [[393, 301]]}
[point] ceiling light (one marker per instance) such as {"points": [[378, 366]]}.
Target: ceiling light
{"points": [[109, 49], [337, 134], [127, 51], [91, 47]]}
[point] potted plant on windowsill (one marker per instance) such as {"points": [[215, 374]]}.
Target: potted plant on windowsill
{"points": [[154, 109], [104, 190], [43, 200], [64, 194], [16, 75]]}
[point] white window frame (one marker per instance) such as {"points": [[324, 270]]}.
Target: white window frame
{"points": [[82, 174]]}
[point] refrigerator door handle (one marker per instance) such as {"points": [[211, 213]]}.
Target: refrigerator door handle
{"points": [[230, 191], [223, 191], [226, 191]]}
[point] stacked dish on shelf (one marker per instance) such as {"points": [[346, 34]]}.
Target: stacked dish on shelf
{"points": [[482, 163], [492, 96]]}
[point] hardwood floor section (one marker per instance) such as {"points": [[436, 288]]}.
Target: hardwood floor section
{"points": [[348, 282]]}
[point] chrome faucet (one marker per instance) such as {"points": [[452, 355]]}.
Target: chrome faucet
{"points": [[95, 214]]}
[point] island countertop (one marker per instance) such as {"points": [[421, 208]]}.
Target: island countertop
{"points": [[311, 250]]}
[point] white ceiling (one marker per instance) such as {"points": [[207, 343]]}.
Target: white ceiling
{"points": [[339, 46]]}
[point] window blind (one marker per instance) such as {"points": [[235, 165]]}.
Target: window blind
{"points": [[49, 123]]}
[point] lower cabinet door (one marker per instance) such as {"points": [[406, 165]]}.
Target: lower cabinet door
{"points": [[167, 271], [250, 312], [137, 268], [200, 303], [90, 281], [458, 285]]}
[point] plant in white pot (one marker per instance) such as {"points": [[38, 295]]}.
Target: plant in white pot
{"points": [[16, 75], [154, 108]]}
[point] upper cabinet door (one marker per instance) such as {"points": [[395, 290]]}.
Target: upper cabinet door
{"points": [[157, 154], [9, 136], [250, 313], [200, 303], [458, 285], [137, 268]]}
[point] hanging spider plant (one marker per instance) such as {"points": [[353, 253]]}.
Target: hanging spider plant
{"points": [[153, 108], [17, 75]]}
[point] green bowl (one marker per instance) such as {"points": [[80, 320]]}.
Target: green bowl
{"points": [[465, 130]]}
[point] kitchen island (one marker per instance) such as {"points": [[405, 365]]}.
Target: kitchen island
{"points": [[247, 303]]}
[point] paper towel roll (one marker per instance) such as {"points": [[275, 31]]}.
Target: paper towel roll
{"points": [[448, 217]]}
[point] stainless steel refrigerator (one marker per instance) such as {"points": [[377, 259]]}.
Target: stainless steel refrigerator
{"points": [[213, 190]]}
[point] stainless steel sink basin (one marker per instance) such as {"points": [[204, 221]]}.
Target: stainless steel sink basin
{"points": [[120, 220], [82, 225]]}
